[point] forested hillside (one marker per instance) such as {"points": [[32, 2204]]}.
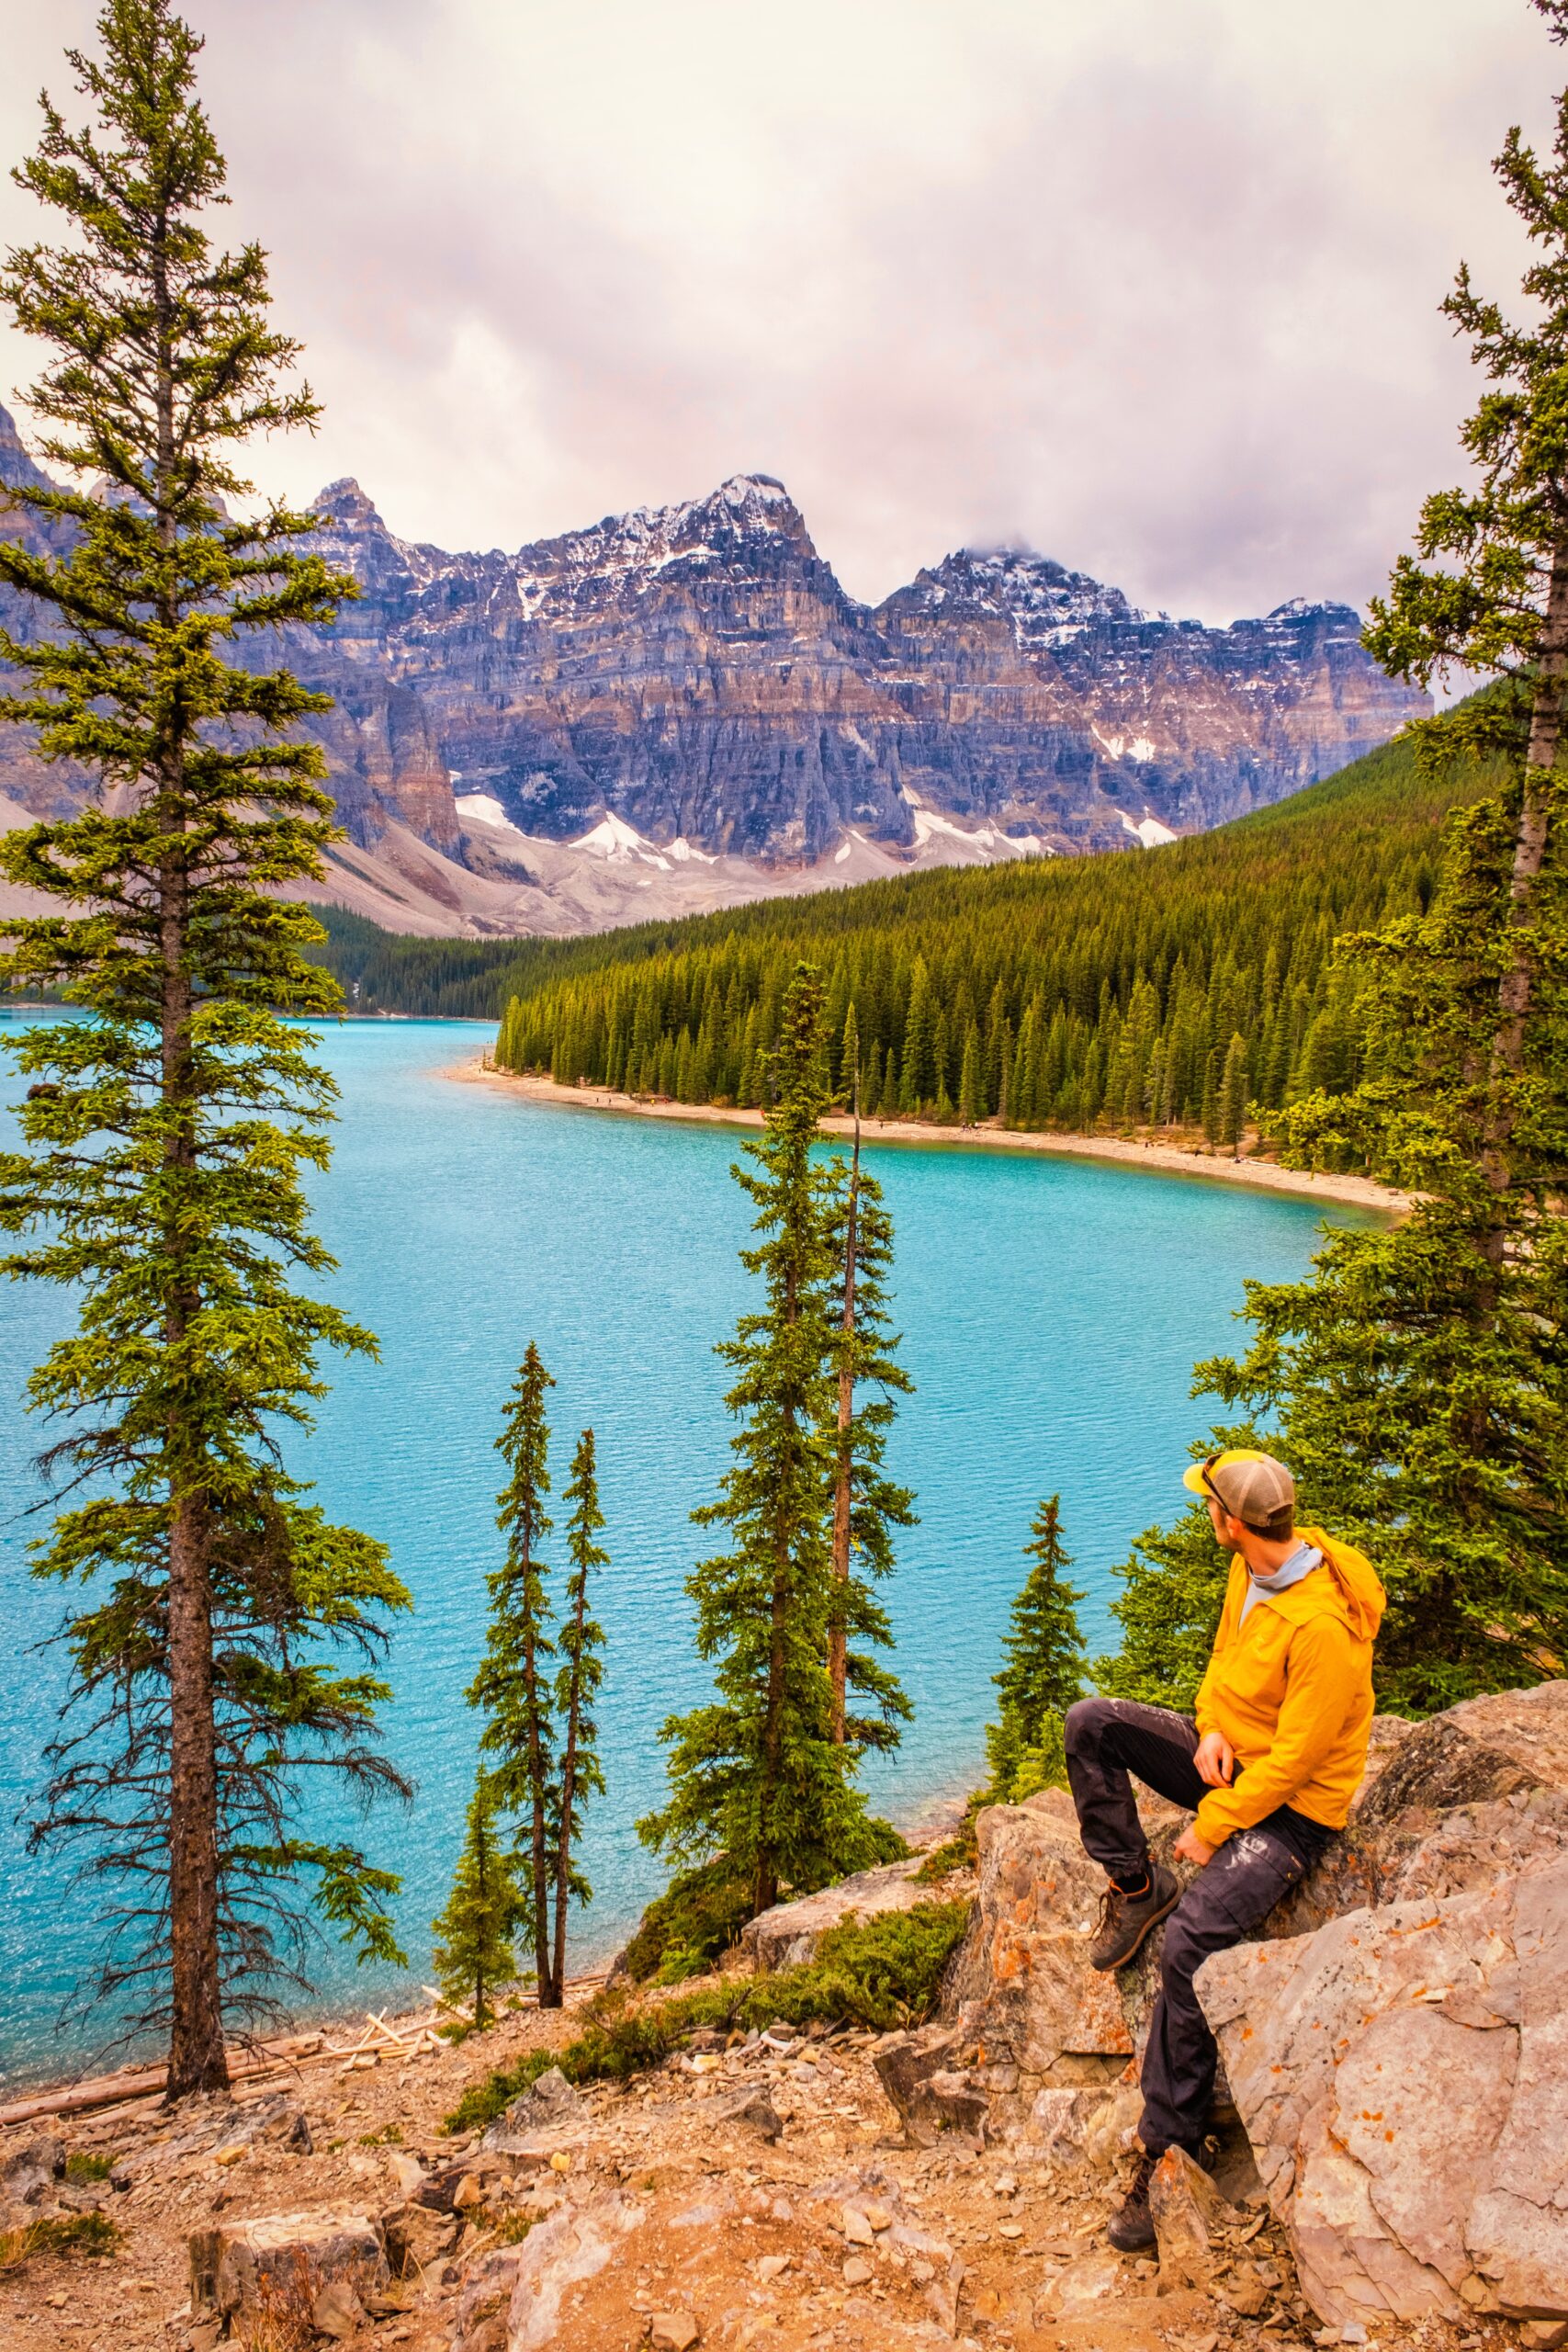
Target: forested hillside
{"points": [[1172, 988]]}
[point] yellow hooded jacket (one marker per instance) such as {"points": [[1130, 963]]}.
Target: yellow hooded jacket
{"points": [[1291, 1691]]}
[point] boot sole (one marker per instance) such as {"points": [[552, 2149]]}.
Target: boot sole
{"points": [[1106, 1967]]}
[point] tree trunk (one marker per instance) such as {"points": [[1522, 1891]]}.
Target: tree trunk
{"points": [[549, 1994], [568, 1790], [197, 2058], [766, 1891], [1529, 855], [837, 1629]]}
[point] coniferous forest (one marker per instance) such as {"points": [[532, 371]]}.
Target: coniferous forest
{"points": [[1375, 971], [1174, 989]]}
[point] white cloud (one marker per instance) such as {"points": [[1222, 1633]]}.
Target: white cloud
{"points": [[1152, 288]]}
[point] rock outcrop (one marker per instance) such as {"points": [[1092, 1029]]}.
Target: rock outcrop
{"points": [[789, 1934], [1450, 1805], [692, 687], [1403, 2075]]}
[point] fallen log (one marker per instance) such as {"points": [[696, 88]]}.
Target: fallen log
{"points": [[144, 2082]]}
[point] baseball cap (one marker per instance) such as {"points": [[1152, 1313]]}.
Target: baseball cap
{"points": [[1252, 1487]]}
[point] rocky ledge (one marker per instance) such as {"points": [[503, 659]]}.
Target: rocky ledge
{"points": [[1392, 2170]]}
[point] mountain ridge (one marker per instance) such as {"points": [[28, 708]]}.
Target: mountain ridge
{"points": [[697, 672]]}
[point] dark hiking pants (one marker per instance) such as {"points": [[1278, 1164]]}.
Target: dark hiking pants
{"points": [[1109, 1740]]}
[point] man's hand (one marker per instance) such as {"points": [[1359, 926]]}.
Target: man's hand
{"points": [[1190, 1847], [1213, 1760]]}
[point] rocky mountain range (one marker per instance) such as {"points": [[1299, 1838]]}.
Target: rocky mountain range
{"points": [[682, 707]]}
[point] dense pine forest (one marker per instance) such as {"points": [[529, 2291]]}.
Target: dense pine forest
{"points": [[1177, 989]]}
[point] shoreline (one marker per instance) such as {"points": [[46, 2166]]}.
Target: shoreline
{"points": [[1265, 1175]]}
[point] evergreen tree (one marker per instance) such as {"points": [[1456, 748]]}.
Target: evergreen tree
{"points": [[577, 1686], [1233, 1092], [1044, 1673], [868, 1505], [756, 1774], [514, 1685], [1172, 1592], [971, 1109], [164, 1133], [1417, 1381], [473, 1955]]}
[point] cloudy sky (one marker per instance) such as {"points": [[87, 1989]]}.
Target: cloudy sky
{"points": [[1150, 285]]}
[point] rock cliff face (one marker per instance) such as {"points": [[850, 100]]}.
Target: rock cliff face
{"points": [[698, 675]]}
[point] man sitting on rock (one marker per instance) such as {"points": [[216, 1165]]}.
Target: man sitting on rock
{"points": [[1268, 1767]]}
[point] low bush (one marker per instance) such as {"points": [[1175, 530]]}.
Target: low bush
{"points": [[960, 1852], [691, 1925], [81, 2164], [884, 1975]]}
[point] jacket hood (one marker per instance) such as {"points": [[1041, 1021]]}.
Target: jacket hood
{"points": [[1352, 1588]]}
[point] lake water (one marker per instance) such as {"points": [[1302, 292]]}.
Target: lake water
{"points": [[1052, 1311]]}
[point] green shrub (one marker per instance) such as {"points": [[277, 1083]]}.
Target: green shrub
{"points": [[698, 1917], [885, 1973], [81, 2165], [960, 1852]]}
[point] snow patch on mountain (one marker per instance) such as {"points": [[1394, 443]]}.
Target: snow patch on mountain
{"points": [[1147, 830]]}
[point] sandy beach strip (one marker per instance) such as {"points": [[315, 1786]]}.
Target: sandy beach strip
{"points": [[1359, 1192]]}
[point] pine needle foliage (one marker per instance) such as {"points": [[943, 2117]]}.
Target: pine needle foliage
{"points": [[474, 1956], [541, 1673], [578, 1682], [514, 1686], [1139, 966], [756, 1773], [164, 1133], [1044, 1670], [1419, 1382], [868, 1505], [1173, 1588]]}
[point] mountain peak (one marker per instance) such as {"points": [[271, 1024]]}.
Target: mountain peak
{"points": [[16, 463], [731, 529], [1047, 604], [344, 501]]}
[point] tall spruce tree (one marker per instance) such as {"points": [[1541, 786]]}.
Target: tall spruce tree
{"points": [[577, 1683], [514, 1687], [164, 1133], [866, 1505], [1044, 1669], [473, 1957], [1419, 1382], [756, 1774]]}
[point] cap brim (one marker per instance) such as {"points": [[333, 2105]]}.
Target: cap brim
{"points": [[1192, 1480]]}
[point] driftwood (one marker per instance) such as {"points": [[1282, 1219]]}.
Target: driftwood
{"points": [[407, 2039]]}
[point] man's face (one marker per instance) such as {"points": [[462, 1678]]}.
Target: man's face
{"points": [[1227, 1531]]}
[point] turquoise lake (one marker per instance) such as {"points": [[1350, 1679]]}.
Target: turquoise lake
{"points": [[1052, 1310]]}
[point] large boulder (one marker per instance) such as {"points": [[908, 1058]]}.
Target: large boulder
{"points": [[788, 1935], [1021, 1992], [1403, 2075], [1446, 1805], [573, 2245], [544, 2116]]}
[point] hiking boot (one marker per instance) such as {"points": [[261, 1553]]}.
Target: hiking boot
{"points": [[1125, 1919], [1132, 2227]]}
